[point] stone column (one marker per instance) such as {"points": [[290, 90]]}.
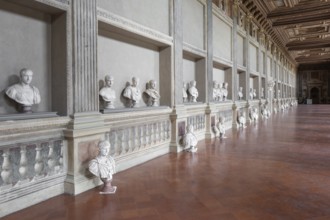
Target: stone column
{"points": [[209, 67], [248, 68], [235, 79], [86, 128], [178, 116]]}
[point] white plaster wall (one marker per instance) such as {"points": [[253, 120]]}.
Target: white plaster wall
{"points": [[251, 82], [219, 75], [193, 23], [150, 13], [269, 73], [253, 58], [124, 58], [262, 59], [189, 70], [222, 39], [240, 49], [25, 42]]}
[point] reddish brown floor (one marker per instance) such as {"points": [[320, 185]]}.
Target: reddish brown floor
{"points": [[277, 169]]}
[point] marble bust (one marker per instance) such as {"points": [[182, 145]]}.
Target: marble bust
{"points": [[23, 93], [153, 95], [215, 90], [221, 127], [251, 94], [184, 92], [254, 93], [224, 91], [240, 93], [241, 120], [190, 139], [193, 92], [265, 112], [107, 93], [103, 166], [133, 93], [254, 114]]}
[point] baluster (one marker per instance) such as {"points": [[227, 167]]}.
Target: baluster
{"points": [[6, 173], [38, 166], [23, 166], [127, 140], [51, 162], [150, 134], [146, 135], [167, 130], [120, 141], [60, 161]]}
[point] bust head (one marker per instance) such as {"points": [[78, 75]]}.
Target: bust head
{"points": [[104, 147], [215, 84], [152, 84], [26, 76], [135, 81], [225, 85], [190, 128], [193, 83], [108, 80], [221, 119], [241, 89]]}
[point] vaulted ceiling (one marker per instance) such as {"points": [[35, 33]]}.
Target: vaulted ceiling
{"points": [[302, 27]]}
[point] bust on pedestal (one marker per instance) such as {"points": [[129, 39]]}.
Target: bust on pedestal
{"points": [[107, 93], [104, 167], [240, 93], [190, 140], [153, 95], [23, 93], [133, 93], [241, 120], [221, 127], [193, 92]]}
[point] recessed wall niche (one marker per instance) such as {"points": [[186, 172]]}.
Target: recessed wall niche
{"points": [[254, 83], [263, 85], [241, 82], [194, 68], [223, 74], [124, 56], [36, 39]]}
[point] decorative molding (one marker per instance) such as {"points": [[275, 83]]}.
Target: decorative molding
{"points": [[194, 50], [60, 4], [131, 26]]}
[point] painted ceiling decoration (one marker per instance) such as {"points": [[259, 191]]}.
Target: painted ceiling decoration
{"points": [[300, 28]]}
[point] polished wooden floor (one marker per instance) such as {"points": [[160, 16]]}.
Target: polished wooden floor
{"points": [[276, 169]]}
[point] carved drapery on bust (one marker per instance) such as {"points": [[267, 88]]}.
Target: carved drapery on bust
{"points": [[107, 93], [153, 95], [104, 166], [193, 92], [23, 93], [133, 93]]}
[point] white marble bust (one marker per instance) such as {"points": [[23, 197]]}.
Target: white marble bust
{"points": [[241, 120], [153, 95], [107, 93], [254, 114], [217, 92], [184, 92], [193, 92], [265, 112], [104, 167], [23, 93], [254, 93], [251, 94], [221, 127], [190, 139], [133, 93], [224, 91], [240, 93]]}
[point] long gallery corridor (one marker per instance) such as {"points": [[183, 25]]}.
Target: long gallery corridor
{"points": [[276, 169]]}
